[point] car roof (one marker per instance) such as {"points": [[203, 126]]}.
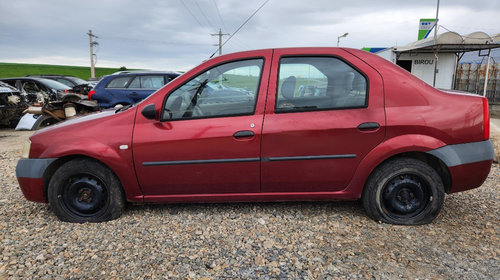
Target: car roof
{"points": [[38, 79], [50, 75], [143, 72]]}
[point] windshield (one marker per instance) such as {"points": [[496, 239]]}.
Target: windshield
{"points": [[53, 84]]}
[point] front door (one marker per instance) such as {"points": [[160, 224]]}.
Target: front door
{"points": [[324, 113], [208, 138]]}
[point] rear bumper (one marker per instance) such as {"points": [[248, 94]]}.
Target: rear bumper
{"points": [[29, 174], [469, 164]]}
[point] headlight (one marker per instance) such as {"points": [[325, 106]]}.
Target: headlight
{"points": [[26, 149]]}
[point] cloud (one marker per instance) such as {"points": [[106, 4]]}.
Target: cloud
{"points": [[176, 35]]}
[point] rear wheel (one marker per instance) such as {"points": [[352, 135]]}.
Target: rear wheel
{"points": [[404, 191], [84, 190]]}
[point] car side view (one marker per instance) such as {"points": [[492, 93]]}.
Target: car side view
{"points": [[128, 87], [269, 125]]}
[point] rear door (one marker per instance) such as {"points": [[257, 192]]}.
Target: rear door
{"points": [[116, 90], [324, 113], [209, 136]]}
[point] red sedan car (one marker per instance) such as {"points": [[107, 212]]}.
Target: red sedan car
{"points": [[269, 125]]}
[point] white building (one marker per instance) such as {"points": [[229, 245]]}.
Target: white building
{"points": [[435, 61]]}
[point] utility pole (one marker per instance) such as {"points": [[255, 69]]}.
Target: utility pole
{"points": [[436, 48], [220, 40], [92, 44]]}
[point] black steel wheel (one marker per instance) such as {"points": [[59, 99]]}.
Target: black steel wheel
{"points": [[85, 195], [404, 191], [84, 190]]}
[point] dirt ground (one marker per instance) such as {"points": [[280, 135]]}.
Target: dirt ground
{"points": [[282, 240]]}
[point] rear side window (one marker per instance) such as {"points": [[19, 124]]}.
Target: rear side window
{"points": [[120, 82], [319, 83], [148, 82], [226, 90]]}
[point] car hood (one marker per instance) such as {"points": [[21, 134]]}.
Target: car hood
{"points": [[78, 120]]}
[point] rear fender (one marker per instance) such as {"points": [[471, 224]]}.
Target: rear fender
{"points": [[385, 150]]}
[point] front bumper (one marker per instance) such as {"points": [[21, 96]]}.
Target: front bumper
{"points": [[29, 173], [469, 164]]}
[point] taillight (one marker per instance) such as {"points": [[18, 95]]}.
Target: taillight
{"points": [[90, 94], [486, 112]]}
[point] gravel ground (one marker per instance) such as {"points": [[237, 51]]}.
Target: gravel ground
{"points": [[332, 240]]}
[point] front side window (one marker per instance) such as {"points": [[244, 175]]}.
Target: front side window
{"points": [[226, 90], [319, 83]]}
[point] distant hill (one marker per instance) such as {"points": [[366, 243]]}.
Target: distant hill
{"points": [[21, 70]]}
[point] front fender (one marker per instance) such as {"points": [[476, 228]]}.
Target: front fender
{"points": [[117, 156], [385, 150]]}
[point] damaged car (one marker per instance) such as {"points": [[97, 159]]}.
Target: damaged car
{"points": [[12, 104], [50, 89], [49, 102], [76, 84]]}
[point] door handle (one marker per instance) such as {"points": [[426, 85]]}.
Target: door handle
{"points": [[368, 126], [243, 134]]}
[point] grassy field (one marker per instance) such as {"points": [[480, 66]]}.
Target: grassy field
{"points": [[21, 70]]}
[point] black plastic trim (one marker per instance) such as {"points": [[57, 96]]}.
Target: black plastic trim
{"points": [[199, 161], [309, 157]]}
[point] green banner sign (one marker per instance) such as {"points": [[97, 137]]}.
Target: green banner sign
{"points": [[425, 27]]}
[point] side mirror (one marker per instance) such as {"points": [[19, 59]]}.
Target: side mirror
{"points": [[149, 112]]}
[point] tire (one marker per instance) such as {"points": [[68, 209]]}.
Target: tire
{"points": [[404, 191], [84, 190], [44, 121]]}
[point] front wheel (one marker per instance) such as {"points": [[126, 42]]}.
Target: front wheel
{"points": [[84, 190], [404, 191]]}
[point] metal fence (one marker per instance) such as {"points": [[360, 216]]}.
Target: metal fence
{"points": [[470, 77]]}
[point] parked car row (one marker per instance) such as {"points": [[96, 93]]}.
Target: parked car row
{"points": [[129, 87], [121, 88]]}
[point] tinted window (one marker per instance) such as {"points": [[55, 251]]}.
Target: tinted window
{"points": [[319, 83], [64, 81], [120, 82], [54, 84], [228, 89]]}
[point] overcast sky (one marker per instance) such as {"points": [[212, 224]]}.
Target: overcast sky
{"points": [[175, 34]]}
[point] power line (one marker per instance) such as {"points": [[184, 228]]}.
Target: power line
{"points": [[203, 14], [256, 11], [218, 13], [191, 13]]}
